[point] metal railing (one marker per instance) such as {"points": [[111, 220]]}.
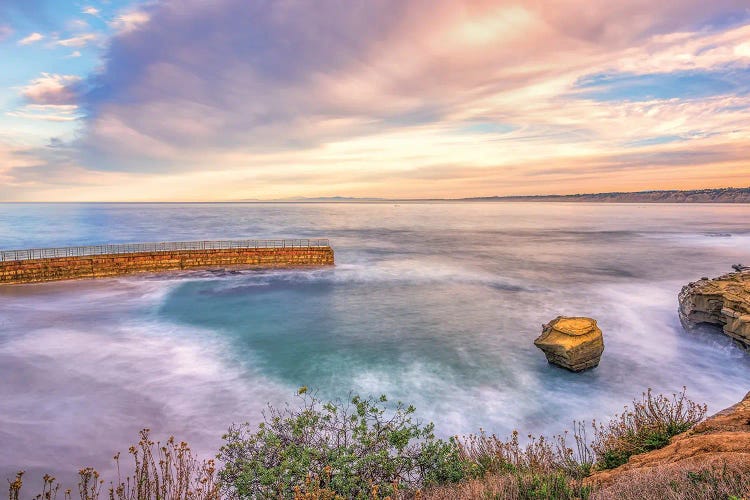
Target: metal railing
{"points": [[83, 251]]}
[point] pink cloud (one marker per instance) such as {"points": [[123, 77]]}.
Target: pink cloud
{"points": [[365, 100], [51, 89], [32, 38], [5, 32]]}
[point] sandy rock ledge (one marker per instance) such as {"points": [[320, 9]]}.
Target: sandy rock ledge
{"points": [[722, 301]]}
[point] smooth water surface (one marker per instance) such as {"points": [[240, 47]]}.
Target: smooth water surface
{"points": [[434, 304]]}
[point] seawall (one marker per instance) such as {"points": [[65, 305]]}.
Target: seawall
{"points": [[98, 266]]}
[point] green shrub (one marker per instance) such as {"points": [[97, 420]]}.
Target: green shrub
{"points": [[352, 446], [550, 486]]}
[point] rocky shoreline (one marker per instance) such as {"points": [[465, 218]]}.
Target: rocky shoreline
{"points": [[722, 301]]}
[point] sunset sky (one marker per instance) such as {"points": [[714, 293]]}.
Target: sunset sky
{"points": [[169, 100]]}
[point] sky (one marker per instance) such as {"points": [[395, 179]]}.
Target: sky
{"points": [[221, 100]]}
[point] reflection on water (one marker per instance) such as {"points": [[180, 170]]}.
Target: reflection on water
{"points": [[433, 304]]}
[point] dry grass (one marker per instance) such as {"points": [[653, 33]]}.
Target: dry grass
{"points": [[717, 482], [512, 486], [490, 454], [726, 481], [166, 471]]}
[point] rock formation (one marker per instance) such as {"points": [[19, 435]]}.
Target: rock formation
{"points": [[722, 301], [723, 439], [573, 343]]}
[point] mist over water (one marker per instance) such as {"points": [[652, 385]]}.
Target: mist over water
{"points": [[433, 304]]}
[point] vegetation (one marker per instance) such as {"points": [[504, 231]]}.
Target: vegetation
{"points": [[713, 482], [356, 448], [166, 471], [649, 425], [362, 448]]}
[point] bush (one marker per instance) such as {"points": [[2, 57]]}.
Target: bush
{"points": [[348, 448], [489, 454], [652, 422]]}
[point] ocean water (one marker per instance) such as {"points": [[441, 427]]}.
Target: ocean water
{"points": [[433, 304]]}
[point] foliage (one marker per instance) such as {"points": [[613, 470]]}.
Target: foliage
{"points": [[488, 454], [361, 448], [649, 425], [544, 467], [352, 446]]}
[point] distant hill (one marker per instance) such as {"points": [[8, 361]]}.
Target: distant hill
{"points": [[328, 199], [718, 195]]}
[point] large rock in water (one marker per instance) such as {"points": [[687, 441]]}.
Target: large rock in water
{"points": [[573, 343], [722, 301]]}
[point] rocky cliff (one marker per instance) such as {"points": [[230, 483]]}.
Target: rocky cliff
{"points": [[722, 301]]}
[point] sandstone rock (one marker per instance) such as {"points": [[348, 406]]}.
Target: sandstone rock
{"points": [[722, 301], [573, 343], [719, 440]]}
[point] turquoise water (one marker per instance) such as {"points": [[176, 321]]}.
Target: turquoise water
{"points": [[433, 304]]}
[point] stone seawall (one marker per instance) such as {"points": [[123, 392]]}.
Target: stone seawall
{"points": [[99, 266]]}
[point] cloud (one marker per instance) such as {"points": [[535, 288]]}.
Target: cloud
{"points": [[78, 41], [461, 97], [78, 25], [5, 32], [92, 11], [73, 54], [47, 112], [130, 21], [32, 38], [52, 89]]}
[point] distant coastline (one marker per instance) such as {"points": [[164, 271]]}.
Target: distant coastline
{"points": [[719, 195], [715, 195]]}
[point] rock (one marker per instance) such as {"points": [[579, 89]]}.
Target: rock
{"points": [[719, 440], [574, 343], [722, 301]]}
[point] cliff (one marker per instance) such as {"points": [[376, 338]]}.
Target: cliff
{"points": [[722, 301]]}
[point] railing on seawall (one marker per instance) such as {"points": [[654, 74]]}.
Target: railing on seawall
{"points": [[84, 251]]}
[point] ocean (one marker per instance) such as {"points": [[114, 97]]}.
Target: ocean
{"points": [[433, 304]]}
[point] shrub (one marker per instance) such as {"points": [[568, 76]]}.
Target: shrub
{"points": [[649, 425], [348, 448], [489, 454]]}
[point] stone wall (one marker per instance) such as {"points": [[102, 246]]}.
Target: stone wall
{"points": [[98, 266]]}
